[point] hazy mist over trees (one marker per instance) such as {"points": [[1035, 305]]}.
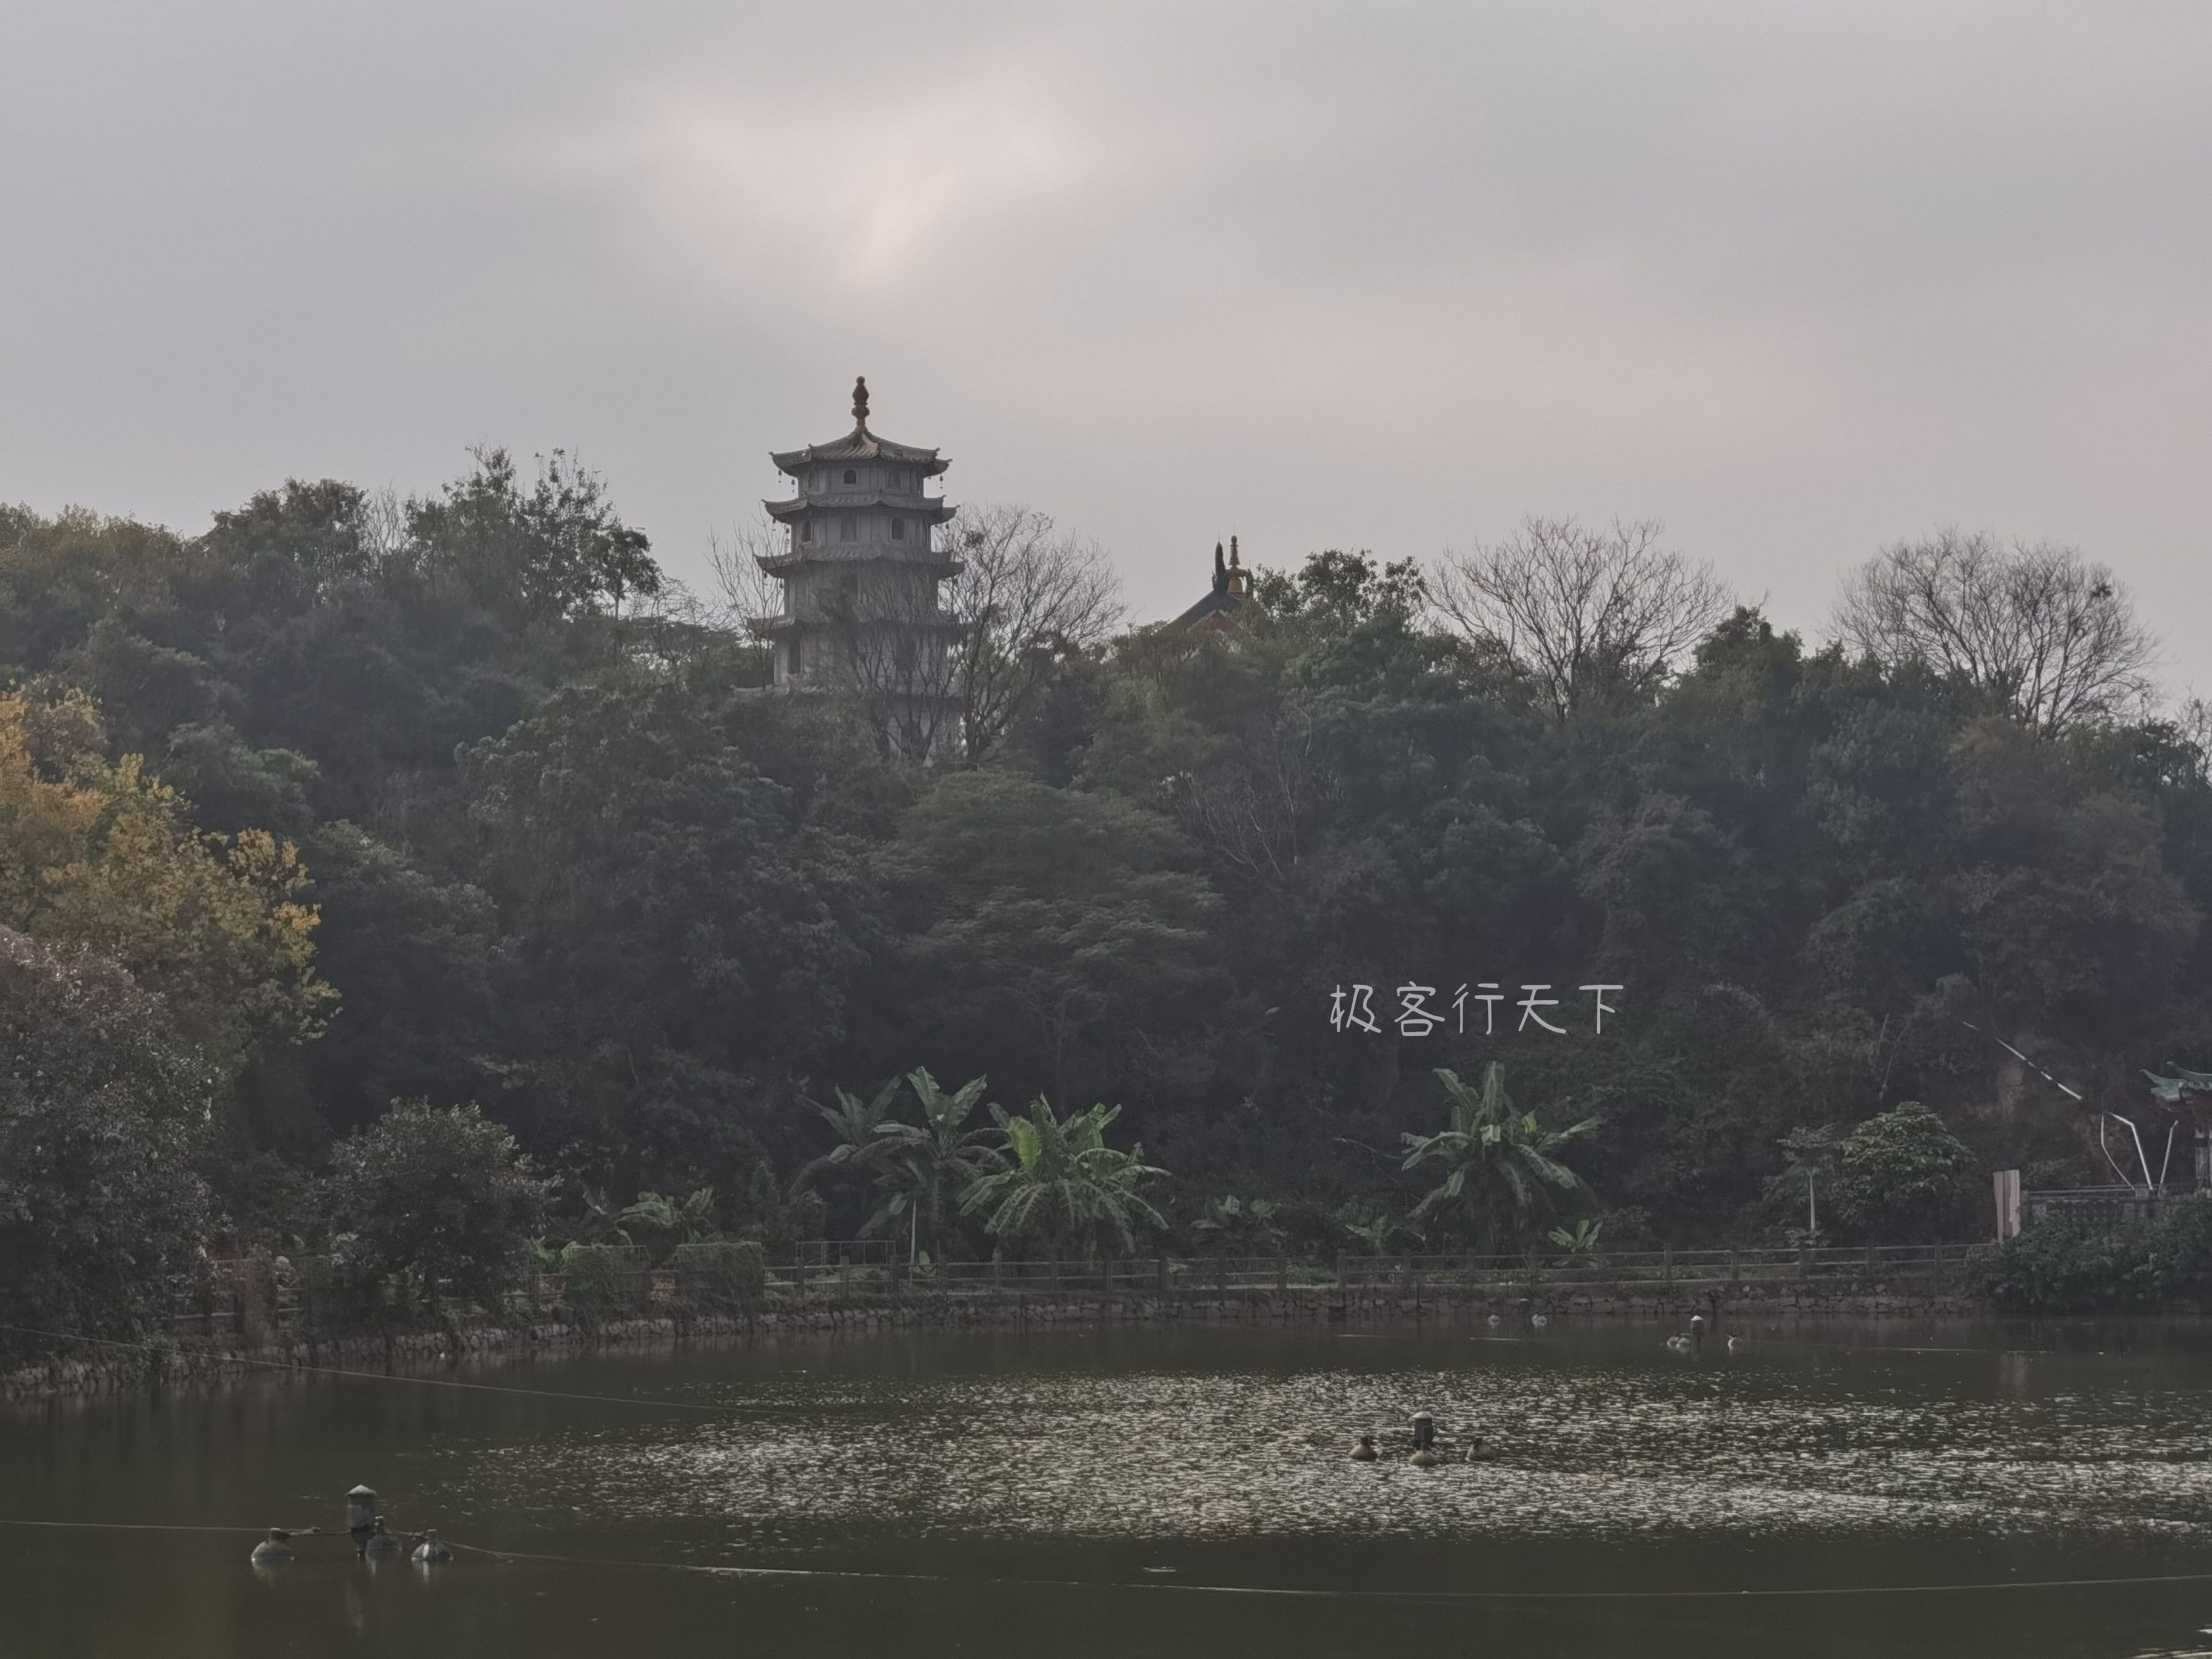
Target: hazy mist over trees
{"points": [[458, 799]]}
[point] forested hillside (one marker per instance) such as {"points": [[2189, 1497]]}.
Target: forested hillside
{"points": [[347, 802]]}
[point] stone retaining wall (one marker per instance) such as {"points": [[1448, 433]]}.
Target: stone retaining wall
{"points": [[1317, 1306]]}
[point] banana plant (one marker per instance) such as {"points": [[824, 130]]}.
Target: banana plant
{"points": [[1503, 1174], [1062, 1185]]}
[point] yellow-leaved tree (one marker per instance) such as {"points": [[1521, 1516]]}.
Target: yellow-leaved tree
{"points": [[99, 853]]}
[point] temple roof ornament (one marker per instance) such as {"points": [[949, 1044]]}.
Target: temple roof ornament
{"points": [[1231, 592], [860, 444]]}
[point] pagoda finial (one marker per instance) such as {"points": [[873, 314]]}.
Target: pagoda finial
{"points": [[860, 401], [1233, 565]]}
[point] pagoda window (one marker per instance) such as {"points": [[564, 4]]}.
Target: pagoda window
{"points": [[898, 530], [845, 530], [794, 656], [807, 530], [851, 476]]}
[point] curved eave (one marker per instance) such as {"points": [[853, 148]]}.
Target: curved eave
{"points": [[936, 564], [768, 628], [1216, 604], [917, 507], [859, 445]]}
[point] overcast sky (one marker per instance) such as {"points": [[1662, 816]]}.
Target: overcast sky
{"points": [[1796, 279]]}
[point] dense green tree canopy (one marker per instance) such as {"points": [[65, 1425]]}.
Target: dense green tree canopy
{"points": [[453, 797]]}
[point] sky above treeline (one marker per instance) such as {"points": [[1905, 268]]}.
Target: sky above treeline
{"points": [[1796, 280]]}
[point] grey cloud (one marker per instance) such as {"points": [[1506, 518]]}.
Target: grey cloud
{"points": [[1797, 280]]}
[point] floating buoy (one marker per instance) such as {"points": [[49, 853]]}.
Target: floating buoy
{"points": [[1364, 1452], [380, 1545], [1540, 1319], [1425, 1442], [431, 1552], [274, 1551]]}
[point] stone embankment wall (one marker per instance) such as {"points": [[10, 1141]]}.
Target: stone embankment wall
{"points": [[1309, 1306]]}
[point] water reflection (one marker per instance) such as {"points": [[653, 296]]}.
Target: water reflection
{"points": [[1080, 1491], [1603, 1448]]}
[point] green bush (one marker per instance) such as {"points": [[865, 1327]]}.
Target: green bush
{"points": [[2060, 1267], [602, 1282], [727, 1276], [435, 1195], [2174, 1253], [1899, 1176]]}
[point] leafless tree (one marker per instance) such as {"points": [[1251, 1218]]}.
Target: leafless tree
{"points": [[741, 589], [1028, 595], [1592, 615], [2043, 633]]}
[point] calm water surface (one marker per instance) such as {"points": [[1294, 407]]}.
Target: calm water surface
{"points": [[1162, 1491]]}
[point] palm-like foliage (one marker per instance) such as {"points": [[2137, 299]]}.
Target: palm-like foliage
{"points": [[860, 1151], [1504, 1176], [1581, 1239], [1372, 1225], [926, 1169], [1235, 1226], [1063, 1185], [666, 1222]]}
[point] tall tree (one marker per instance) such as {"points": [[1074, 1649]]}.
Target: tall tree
{"points": [[2034, 628], [1594, 618]]}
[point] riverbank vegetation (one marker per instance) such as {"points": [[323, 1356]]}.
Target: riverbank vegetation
{"points": [[461, 801]]}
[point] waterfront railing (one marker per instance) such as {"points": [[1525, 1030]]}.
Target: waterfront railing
{"points": [[258, 1298]]}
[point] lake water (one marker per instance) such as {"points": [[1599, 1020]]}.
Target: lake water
{"points": [[1161, 1491]]}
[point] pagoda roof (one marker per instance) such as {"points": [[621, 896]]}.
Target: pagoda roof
{"points": [[1227, 596], [943, 563], [919, 507], [1219, 602], [859, 445], [935, 622]]}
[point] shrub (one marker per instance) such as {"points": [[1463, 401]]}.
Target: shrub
{"points": [[436, 1195], [601, 1282], [2175, 1252], [727, 1276], [1900, 1176], [2058, 1266]]}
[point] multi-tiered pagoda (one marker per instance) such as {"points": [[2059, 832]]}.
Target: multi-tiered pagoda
{"points": [[860, 575]]}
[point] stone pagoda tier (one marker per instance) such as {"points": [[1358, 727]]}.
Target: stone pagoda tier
{"points": [[860, 568]]}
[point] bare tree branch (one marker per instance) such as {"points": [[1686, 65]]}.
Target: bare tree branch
{"points": [[1592, 617], [2036, 629], [1027, 595], [742, 590]]}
